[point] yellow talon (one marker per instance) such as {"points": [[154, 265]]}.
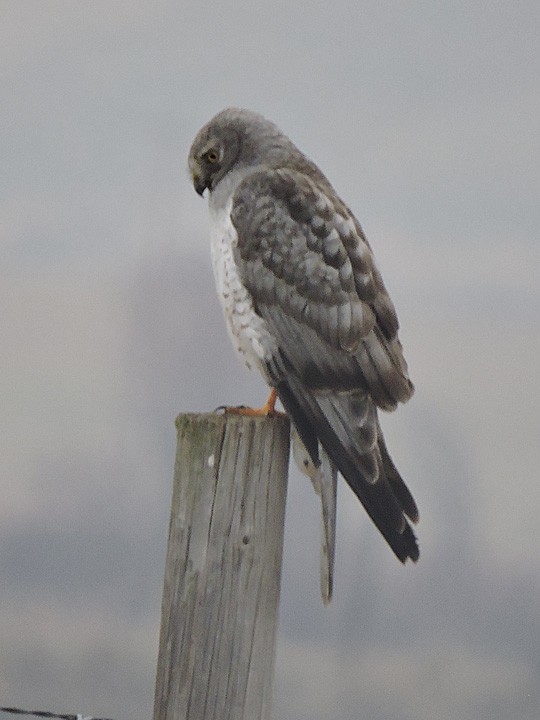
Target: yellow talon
{"points": [[269, 408]]}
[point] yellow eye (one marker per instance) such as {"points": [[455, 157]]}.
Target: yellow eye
{"points": [[212, 156]]}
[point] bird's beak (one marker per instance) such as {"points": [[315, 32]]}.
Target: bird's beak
{"points": [[199, 183]]}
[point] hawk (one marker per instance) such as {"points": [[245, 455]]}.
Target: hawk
{"points": [[306, 306]]}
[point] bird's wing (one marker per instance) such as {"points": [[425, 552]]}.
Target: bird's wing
{"points": [[324, 480], [311, 276]]}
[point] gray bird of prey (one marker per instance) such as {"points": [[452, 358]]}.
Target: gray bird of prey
{"points": [[306, 306]]}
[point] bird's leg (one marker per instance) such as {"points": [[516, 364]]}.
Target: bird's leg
{"points": [[269, 408]]}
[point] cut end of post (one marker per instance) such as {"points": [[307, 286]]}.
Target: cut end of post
{"points": [[220, 419]]}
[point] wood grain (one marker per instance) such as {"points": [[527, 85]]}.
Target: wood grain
{"points": [[223, 569]]}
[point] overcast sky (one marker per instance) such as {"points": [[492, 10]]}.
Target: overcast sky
{"points": [[425, 116]]}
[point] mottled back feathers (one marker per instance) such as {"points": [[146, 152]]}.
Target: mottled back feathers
{"points": [[298, 253]]}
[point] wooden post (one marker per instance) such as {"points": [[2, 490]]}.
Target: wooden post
{"points": [[223, 569]]}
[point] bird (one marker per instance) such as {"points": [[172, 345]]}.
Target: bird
{"points": [[306, 306]]}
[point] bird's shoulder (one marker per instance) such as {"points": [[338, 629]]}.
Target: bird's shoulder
{"points": [[292, 215], [278, 209], [301, 189], [303, 258]]}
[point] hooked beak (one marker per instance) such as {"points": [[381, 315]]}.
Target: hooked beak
{"points": [[199, 183]]}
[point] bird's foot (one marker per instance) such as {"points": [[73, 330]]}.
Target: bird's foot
{"points": [[269, 408]]}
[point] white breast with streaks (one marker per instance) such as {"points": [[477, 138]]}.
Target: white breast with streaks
{"points": [[247, 330]]}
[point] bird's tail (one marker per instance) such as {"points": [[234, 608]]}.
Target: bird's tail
{"points": [[346, 426], [324, 480]]}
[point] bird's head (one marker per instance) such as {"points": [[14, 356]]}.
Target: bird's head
{"points": [[233, 138], [212, 154]]}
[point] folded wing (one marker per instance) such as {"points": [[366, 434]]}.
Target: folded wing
{"points": [[311, 275]]}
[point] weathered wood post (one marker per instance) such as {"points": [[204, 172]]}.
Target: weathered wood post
{"points": [[223, 568]]}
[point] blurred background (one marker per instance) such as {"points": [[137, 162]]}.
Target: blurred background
{"points": [[425, 116]]}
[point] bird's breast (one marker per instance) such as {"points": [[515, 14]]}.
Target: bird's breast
{"points": [[247, 330]]}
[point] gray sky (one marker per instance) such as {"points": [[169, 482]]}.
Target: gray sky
{"points": [[424, 115]]}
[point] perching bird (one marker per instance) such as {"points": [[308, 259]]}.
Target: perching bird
{"points": [[306, 306]]}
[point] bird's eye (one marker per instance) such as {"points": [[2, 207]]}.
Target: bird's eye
{"points": [[212, 156]]}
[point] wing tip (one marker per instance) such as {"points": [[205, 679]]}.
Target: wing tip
{"points": [[408, 546]]}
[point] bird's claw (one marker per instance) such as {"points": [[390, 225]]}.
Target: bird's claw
{"points": [[267, 409]]}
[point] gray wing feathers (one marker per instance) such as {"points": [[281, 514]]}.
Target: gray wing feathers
{"points": [[301, 254], [311, 275]]}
